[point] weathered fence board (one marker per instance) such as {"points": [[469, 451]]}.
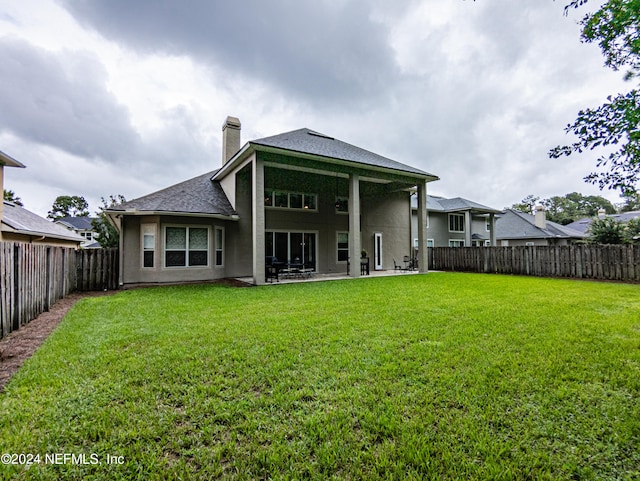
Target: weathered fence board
{"points": [[33, 277], [611, 262]]}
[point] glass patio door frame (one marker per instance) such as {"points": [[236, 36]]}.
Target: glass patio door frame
{"points": [[308, 240]]}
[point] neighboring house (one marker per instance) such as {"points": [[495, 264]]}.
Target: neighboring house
{"points": [[17, 224], [6, 160], [514, 228], [21, 225], [457, 222], [582, 225], [83, 227], [302, 196]]}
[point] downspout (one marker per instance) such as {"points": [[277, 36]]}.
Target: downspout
{"points": [[118, 226]]}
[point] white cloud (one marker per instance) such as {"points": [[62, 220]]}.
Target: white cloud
{"points": [[135, 94]]}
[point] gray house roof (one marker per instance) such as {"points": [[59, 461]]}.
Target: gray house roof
{"points": [[307, 141], [197, 196], [9, 161], [76, 223], [582, 225], [512, 224], [19, 220], [457, 204]]}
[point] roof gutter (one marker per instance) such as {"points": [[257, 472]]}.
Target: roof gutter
{"points": [[42, 235], [136, 212]]}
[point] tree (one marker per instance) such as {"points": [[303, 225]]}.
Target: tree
{"points": [[11, 196], [613, 125], [632, 231], [631, 202], [574, 206], [108, 235], [68, 206], [568, 208], [606, 231], [526, 205]]}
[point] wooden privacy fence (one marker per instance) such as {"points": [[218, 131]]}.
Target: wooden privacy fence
{"points": [[610, 262], [33, 277]]}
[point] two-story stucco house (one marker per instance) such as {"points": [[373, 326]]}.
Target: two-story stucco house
{"points": [[302, 197], [457, 222]]}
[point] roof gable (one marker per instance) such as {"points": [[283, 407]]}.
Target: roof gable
{"points": [[307, 141], [199, 195]]}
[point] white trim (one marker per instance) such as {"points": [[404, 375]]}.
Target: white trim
{"points": [[457, 215], [377, 251], [217, 248], [149, 229], [346, 232]]}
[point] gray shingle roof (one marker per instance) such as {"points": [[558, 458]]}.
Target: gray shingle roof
{"points": [[20, 220], [457, 204], [78, 223], [583, 224], [310, 142], [517, 225], [199, 195]]}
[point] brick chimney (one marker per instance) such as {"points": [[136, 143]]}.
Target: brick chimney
{"points": [[541, 217], [230, 138]]}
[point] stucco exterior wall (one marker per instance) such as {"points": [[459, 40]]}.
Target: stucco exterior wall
{"points": [[135, 273], [239, 248]]}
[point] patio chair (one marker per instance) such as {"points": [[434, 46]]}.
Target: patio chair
{"points": [[397, 267]]}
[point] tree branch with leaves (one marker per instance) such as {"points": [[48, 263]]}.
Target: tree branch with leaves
{"points": [[614, 126]]}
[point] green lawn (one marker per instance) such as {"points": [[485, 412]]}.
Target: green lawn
{"points": [[443, 376]]}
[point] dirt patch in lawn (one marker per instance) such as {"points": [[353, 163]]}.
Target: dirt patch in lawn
{"points": [[21, 344]]}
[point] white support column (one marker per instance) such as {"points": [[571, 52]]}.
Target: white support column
{"points": [[467, 229], [422, 228], [355, 243], [258, 219], [492, 226]]}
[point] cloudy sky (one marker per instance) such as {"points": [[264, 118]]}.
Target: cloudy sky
{"points": [[126, 97]]}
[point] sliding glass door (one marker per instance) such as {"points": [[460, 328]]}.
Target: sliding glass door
{"points": [[292, 247]]}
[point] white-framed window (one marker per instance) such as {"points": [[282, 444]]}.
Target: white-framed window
{"points": [[219, 246], [416, 244], [456, 243], [456, 222], [290, 200], [343, 246], [148, 236], [186, 246], [487, 223], [487, 243]]}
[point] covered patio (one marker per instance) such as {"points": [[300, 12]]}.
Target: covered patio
{"points": [[316, 277]]}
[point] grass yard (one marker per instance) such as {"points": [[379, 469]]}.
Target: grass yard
{"points": [[443, 376]]}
